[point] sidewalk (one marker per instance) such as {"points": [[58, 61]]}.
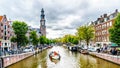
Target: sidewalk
{"points": [[111, 58]]}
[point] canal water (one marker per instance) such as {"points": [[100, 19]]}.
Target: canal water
{"points": [[68, 60]]}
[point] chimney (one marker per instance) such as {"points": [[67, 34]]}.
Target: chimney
{"points": [[105, 15], [98, 19], [101, 16], [116, 10], [4, 15]]}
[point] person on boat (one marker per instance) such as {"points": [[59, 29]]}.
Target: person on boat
{"points": [[55, 53]]}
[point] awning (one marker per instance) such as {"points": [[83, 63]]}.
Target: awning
{"points": [[114, 45]]}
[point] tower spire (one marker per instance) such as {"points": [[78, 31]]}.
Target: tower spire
{"points": [[42, 23], [42, 14]]}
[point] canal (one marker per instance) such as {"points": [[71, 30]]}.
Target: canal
{"points": [[68, 60]]}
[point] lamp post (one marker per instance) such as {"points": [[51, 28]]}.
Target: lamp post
{"points": [[0, 49], [30, 41]]}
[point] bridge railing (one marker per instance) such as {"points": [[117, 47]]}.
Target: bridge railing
{"points": [[8, 60]]}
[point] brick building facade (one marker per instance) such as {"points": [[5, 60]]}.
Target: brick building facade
{"points": [[102, 26], [5, 33]]}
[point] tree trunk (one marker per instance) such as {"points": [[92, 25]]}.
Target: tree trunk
{"points": [[87, 44], [80, 42]]}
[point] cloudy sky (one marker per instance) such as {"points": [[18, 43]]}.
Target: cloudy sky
{"points": [[62, 16]]}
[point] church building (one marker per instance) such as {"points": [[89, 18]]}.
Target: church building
{"points": [[42, 23]]}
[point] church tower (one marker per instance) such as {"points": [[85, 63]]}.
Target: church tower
{"points": [[42, 23]]}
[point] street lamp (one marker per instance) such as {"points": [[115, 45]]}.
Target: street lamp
{"points": [[0, 49], [30, 40]]}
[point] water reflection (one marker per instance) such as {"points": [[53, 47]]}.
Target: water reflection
{"points": [[68, 60]]}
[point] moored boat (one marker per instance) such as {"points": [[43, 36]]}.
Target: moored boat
{"points": [[84, 52]]}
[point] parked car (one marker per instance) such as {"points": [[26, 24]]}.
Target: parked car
{"points": [[69, 47], [28, 50], [74, 48], [93, 49]]}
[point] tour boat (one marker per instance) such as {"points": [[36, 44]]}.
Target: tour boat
{"points": [[54, 56]]}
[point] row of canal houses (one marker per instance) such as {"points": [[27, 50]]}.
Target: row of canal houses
{"points": [[6, 32], [102, 26]]}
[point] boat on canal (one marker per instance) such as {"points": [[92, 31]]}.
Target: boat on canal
{"points": [[54, 56]]}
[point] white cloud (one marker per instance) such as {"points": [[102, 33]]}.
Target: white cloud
{"points": [[62, 16]]}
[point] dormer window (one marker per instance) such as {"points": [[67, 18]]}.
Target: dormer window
{"points": [[105, 19], [111, 16], [111, 23]]}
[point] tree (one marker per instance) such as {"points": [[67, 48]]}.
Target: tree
{"points": [[48, 41], [75, 40], [42, 39], [34, 38], [86, 33], [69, 39], [115, 31], [79, 34], [13, 39], [20, 29]]}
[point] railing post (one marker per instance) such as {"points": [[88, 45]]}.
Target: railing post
{"points": [[1, 62]]}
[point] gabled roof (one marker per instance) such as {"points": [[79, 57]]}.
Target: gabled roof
{"points": [[1, 18]]}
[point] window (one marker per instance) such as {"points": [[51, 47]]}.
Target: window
{"points": [[102, 26], [5, 44], [0, 43], [107, 24], [111, 16], [5, 33], [105, 19], [1, 30], [1, 24], [5, 27], [107, 38], [111, 23], [5, 38], [8, 26]]}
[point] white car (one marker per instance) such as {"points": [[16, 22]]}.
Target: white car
{"points": [[28, 50], [93, 49]]}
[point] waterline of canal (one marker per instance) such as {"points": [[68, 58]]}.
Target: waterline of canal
{"points": [[68, 60]]}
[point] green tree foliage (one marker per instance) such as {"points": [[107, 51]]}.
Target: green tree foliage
{"points": [[79, 34], [34, 38], [13, 39], [48, 41], [20, 29], [85, 33], [115, 31], [42, 40], [69, 39], [53, 40]]}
